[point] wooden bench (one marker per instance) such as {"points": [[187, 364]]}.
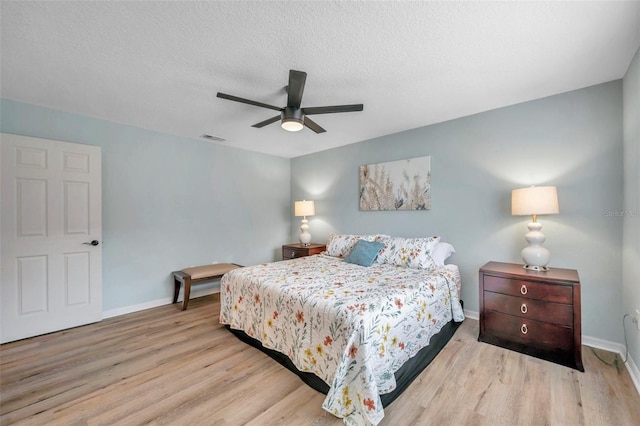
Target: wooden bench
{"points": [[196, 274]]}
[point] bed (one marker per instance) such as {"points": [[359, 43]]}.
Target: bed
{"points": [[347, 326]]}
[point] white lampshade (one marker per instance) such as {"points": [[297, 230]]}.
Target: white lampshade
{"points": [[536, 200], [305, 208]]}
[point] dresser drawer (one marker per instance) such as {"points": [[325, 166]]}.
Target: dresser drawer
{"points": [[294, 251], [522, 307], [529, 289], [533, 334], [291, 253]]}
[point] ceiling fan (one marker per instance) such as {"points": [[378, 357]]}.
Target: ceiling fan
{"points": [[292, 116]]}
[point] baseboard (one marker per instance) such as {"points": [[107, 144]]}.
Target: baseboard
{"points": [[471, 315], [603, 344], [159, 302], [634, 373]]}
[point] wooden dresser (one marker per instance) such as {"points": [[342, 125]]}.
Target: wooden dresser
{"points": [[535, 313], [294, 250]]}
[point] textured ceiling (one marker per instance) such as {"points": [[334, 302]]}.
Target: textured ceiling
{"points": [[158, 65]]}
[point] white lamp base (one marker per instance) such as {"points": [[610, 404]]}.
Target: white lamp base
{"points": [[536, 268], [535, 256], [305, 236]]}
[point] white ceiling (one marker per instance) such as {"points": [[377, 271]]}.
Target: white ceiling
{"points": [[158, 65]]}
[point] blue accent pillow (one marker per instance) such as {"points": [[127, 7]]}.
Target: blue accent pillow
{"points": [[364, 252]]}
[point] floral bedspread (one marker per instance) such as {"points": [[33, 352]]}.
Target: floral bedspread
{"points": [[350, 325]]}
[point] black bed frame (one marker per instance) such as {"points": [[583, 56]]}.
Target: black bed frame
{"points": [[404, 376]]}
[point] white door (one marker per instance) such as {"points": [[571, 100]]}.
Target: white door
{"points": [[51, 211]]}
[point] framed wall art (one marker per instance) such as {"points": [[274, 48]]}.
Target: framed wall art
{"points": [[396, 185]]}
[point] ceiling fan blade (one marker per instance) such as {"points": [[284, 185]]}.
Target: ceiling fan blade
{"points": [[313, 125], [267, 121], [247, 101], [296, 87], [332, 109]]}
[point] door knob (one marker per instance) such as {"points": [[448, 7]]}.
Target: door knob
{"points": [[92, 243]]}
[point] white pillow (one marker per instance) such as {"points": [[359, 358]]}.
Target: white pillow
{"points": [[339, 245], [386, 254], [441, 252], [410, 252]]}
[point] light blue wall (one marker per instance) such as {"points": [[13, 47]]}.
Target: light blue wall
{"points": [[631, 219], [571, 140], [169, 202]]}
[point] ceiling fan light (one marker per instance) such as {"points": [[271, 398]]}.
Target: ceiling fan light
{"points": [[292, 124], [292, 119]]}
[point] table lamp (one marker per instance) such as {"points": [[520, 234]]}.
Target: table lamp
{"points": [[304, 208], [534, 201]]}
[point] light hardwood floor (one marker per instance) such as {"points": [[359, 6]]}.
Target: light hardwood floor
{"points": [[166, 366]]}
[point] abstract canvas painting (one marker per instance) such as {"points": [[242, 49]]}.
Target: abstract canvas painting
{"points": [[396, 185]]}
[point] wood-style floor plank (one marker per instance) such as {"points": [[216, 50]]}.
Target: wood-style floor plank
{"points": [[164, 366]]}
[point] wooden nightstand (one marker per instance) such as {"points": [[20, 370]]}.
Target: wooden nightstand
{"points": [[294, 250], [535, 313]]}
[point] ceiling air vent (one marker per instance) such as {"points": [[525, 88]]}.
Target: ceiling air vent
{"points": [[212, 138]]}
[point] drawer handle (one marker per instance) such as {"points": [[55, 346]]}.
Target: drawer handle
{"points": [[523, 308], [524, 329], [523, 289]]}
